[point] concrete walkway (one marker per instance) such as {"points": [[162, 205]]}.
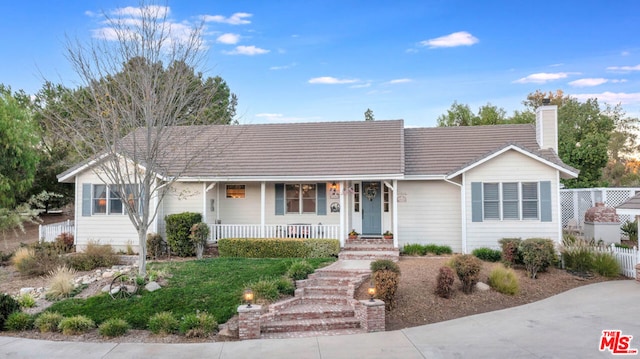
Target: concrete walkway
{"points": [[568, 325]]}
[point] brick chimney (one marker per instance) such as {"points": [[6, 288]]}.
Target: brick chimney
{"points": [[547, 127]]}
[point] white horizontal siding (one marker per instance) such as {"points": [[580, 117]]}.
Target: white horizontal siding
{"points": [[510, 167], [431, 214]]}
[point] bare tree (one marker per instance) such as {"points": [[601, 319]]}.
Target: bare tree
{"points": [[130, 114]]}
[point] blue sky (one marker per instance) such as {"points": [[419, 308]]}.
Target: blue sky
{"points": [[330, 60]]}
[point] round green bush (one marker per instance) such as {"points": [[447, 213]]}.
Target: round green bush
{"points": [[198, 325], [504, 280], [75, 325], [8, 305], [48, 322], [300, 270], [487, 254], [265, 289], [606, 264], [384, 264], [18, 321], [163, 323], [113, 327], [285, 286], [467, 267], [178, 228]]}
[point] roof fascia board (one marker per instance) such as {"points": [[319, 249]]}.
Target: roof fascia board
{"points": [[326, 178]]}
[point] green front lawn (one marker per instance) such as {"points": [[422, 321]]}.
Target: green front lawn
{"points": [[211, 285]]}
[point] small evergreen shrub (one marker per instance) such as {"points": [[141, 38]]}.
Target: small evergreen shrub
{"points": [[163, 323], [577, 255], [278, 247], [322, 248], [8, 305], [414, 249], [198, 325], [64, 242], [605, 264], [537, 255], [386, 277], [264, 290], [114, 327], [504, 280], [300, 270], [178, 228], [285, 286], [440, 250], [199, 235], [94, 256], [18, 321], [26, 300], [5, 258], [156, 245], [487, 254], [60, 283], [48, 322], [76, 325], [467, 267], [444, 282], [510, 254], [22, 257], [630, 229]]}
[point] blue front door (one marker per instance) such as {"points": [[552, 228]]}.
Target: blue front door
{"points": [[371, 208]]}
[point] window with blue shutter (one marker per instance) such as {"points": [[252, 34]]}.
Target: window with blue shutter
{"points": [[86, 199], [545, 201], [322, 199], [476, 201], [279, 199]]}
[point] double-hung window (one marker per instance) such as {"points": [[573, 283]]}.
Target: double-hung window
{"points": [[108, 200], [301, 198], [510, 200]]}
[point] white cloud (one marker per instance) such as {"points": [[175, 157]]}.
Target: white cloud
{"points": [[542, 77], [588, 82], [461, 38], [228, 38], [239, 18], [328, 80], [624, 68], [283, 67], [360, 86], [247, 50], [399, 81], [159, 11], [611, 97]]}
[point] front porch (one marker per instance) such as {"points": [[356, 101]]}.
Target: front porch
{"points": [[297, 230]]}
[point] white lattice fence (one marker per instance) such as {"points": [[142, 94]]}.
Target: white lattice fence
{"points": [[576, 201]]}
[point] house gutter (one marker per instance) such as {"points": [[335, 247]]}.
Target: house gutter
{"points": [[463, 212]]}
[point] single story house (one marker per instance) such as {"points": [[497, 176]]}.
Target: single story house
{"points": [[465, 187]]}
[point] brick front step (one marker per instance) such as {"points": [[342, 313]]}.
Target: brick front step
{"points": [[369, 241], [310, 325], [324, 299], [326, 290], [289, 335], [325, 282], [306, 312], [368, 247], [369, 255]]}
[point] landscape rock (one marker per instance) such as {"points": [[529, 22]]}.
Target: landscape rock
{"points": [[106, 288], [26, 290], [483, 287], [152, 286]]}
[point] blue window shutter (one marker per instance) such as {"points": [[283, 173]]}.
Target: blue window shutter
{"points": [[279, 199], [476, 201], [86, 199], [545, 201], [322, 199]]}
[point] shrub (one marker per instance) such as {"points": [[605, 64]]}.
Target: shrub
{"points": [[467, 267], [322, 248], [199, 235], [384, 264], [18, 321], [26, 300], [577, 255], [605, 264], [386, 283], [5, 258], [21, 258], [61, 283], [440, 250], [113, 327], [64, 242], [8, 305], [414, 249], [444, 282], [285, 286], [487, 254], [510, 254], [630, 229], [156, 245], [178, 228], [39, 259], [75, 325], [300, 270], [163, 323], [198, 325], [94, 256], [278, 247], [264, 290], [48, 322], [537, 255], [504, 280]]}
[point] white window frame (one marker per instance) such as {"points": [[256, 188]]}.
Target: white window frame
{"points": [[300, 198], [226, 191], [108, 198], [521, 200]]}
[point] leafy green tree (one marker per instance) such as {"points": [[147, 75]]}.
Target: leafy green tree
{"points": [[18, 148], [457, 115], [368, 115]]}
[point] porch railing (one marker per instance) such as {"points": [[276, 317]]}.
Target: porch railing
{"points": [[297, 230]]}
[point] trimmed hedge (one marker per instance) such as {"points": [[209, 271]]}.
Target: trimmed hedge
{"points": [[178, 232], [278, 248]]}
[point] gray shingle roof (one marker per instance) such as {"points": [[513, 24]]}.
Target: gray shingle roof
{"points": [[631, 203]]}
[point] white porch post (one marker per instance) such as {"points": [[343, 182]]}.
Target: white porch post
{"points": [[463, 211], [263, 204], [343, 213], [204, 202], [395, 213]]}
